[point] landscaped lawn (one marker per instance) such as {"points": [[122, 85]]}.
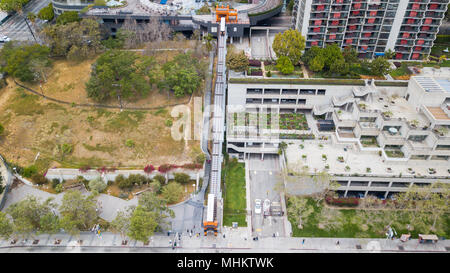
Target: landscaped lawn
{"points": [[234, 193], [348, 223], [293, 121]]}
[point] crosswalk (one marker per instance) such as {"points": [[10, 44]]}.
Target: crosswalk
{"points": [[16, 28]]}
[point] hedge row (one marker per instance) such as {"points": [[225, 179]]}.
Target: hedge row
{"points": [[391, 83], [342, 202], [300, 81]]}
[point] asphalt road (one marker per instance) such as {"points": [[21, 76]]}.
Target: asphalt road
{"points": [[16, 28], [263, 178]]}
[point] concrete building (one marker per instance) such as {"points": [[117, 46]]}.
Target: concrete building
{"points": [[179, 15], [381, 139], [407, 27]]}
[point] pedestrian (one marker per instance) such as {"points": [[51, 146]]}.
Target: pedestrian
{"points": [[303, 242], [337, 243], [170, 242], [224, 235]]}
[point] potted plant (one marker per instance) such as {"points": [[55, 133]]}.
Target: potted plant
{"points": [[340, 158], [347, 168], [324, 157], [442, 130], [387, 114], [368, 170], [414, 123]]}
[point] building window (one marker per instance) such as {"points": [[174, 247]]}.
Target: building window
{"points": [[321, 92]]}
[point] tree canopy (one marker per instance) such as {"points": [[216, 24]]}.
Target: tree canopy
{"points": [[22, 60], [46, 13], [67, 17], [380, 66], [290, 43], [237, 61], [183, 74], [77, 212], [142, 224], [118, 73], [32, 215], [12, 5], [284, 65], [75, 40]]}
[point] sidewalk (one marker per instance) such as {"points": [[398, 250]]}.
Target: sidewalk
{"points": [[235, 241]]}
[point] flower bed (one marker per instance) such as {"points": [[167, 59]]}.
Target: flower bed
{"points": [[293, 121], [342, 202]]}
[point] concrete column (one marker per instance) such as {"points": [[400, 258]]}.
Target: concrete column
{"points": [[386, 194], [370, 184], [231, 40], [365, 194], [240, 40], [390, 184], [345, 194], [262, 156]]}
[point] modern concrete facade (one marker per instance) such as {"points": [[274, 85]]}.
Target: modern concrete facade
{"points": [[390, 136], [179, 20], [407, 27]]}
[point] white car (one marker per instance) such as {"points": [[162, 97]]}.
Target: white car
{"points": [[258, 206], [4, 39]]}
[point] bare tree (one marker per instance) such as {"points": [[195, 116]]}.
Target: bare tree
{"points": [[138, 34]]}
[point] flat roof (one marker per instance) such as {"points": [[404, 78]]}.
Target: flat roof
{"points": [[431, 84], [357, 160]]}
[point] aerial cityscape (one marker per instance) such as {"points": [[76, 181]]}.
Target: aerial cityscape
{"points": [[240, 126]]}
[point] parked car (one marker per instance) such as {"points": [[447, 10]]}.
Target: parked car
{"points": [[4, 39], [258, 206]]}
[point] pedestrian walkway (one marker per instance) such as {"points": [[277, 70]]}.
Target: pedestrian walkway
{"points": [[235, 240]]}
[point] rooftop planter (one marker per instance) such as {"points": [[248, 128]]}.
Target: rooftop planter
{"points": [[299, 81]]}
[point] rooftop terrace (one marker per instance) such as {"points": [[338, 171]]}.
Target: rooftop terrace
{"points": [[357, 161]]}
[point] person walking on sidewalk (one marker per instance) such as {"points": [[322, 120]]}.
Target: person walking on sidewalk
{"points": [[303, 242]]}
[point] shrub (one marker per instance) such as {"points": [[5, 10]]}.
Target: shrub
{"points": [[39, 179], [160, 178], [165, 168], [29, 171], [55, 182], [149, 169], [137, 179], [199, 159], [172, 192], [182, 178], [84, 168], [59, 188], [254, 62], [122, 182], [97, 184], [155, 186], [343, 202], [168, 122], [129, 143]]}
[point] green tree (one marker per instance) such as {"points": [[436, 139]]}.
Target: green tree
{"points": [[152, 203], [76, 40], [117, 73], [77, 212], [237, 61], [340, 67], [350, 55], [67, 17], [332, 54], [311, 53], [290, 43], [6, 227], [12, 5], [284, 65], [380, 66], [160, 178], [16, 59], [32, 215], [142, 224], [121, 224], [182, 75], [97, 184], [46, 13], [389, 54], [172, 192], [317, 64], [299, 209]]}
